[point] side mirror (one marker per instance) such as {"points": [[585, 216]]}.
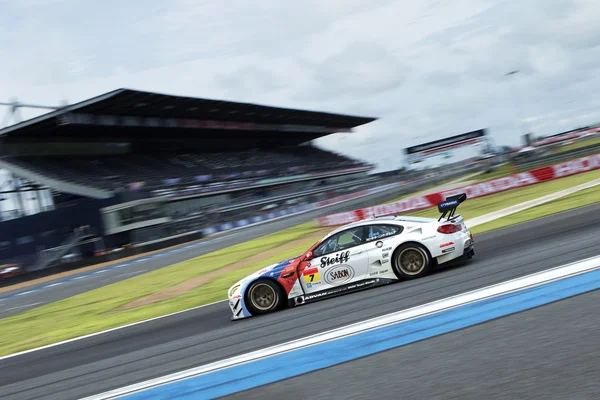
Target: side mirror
{"points": [[308, 256]]}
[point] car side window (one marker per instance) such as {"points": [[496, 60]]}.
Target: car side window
{"points": [[340, 241], [375, 232]]}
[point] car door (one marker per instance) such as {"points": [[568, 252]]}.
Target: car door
{"points": [[378, 245], [337, 261]]}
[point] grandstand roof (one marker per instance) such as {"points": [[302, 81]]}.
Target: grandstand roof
{"points": [[129, 110]]}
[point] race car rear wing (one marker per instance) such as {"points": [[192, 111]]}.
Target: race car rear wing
{"points": [[450, 205]]}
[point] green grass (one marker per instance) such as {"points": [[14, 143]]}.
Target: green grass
{"points": [[575, 200], [472, 208], [499, 172], [95, 311], [577, 145]]}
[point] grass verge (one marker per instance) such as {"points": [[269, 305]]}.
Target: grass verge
{"points": [[94, 311], [483, 205], [579, 199], [578, 145], [499, 172]]}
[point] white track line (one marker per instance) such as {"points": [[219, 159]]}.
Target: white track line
{"points": [[132, 273], [18, 307], [473, 296], [529, 204], [106, 331]]}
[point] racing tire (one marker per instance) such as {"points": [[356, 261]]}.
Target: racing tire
{"points": [[411, 261], [264, 296]]}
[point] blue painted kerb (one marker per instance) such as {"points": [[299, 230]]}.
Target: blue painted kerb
{"points": [[297, 362]]}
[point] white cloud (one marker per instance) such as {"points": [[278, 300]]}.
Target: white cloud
{"points": [[427, 69]]}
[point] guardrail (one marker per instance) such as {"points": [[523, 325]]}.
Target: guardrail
{"points": [[48, 256], [557, 158]]}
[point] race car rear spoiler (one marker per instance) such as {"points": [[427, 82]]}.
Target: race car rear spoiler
{"points": [[450, 205]]}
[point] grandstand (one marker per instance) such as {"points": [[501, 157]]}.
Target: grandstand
{"points": [[156, 170], [135, 167]]}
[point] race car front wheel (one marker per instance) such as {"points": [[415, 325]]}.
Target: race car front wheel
{"points": [[263, 296], [411, 261]]}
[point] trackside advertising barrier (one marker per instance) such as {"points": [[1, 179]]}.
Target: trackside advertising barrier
{"points": [[416, 203]]}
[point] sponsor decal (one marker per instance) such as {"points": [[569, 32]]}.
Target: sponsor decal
{"points": [[445, 204], [380, 236], [288, 283], [296, 289], [383, 271], [338, 275], [312, 276], [361, 284], [262, 271], [448, 250], [338, 259], [428, 238], [385, 261], [340, 289], [387, 249], [384, 255], [446, 245], [379, 244], [317, 295], [288, 271]]}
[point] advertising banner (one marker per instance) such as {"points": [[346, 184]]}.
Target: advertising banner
{"points": [[475, 190]]}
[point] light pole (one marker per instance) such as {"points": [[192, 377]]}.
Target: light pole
{"points": [[518, 108]]}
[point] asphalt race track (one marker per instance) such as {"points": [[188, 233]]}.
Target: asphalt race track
{"points": [[544, 353], [206, 334], [27, 298]]}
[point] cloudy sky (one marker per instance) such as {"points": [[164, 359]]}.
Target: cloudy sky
{"points": [[427, 69]]}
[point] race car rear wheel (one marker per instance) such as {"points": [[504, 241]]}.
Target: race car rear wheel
{"points": [[411, 261], [263, 296]]}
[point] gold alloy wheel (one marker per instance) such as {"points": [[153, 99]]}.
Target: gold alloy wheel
{"points": [[263, 296], [411, 261]]}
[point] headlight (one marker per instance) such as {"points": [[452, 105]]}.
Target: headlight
{"points": [[234, 290]]}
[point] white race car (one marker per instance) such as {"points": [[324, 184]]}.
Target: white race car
{"points": [[356, 256]]}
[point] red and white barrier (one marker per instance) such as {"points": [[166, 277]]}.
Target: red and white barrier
{"points": [[480, 189]]}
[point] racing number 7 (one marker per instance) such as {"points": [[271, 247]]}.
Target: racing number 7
{"points": [[311, 275]]}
